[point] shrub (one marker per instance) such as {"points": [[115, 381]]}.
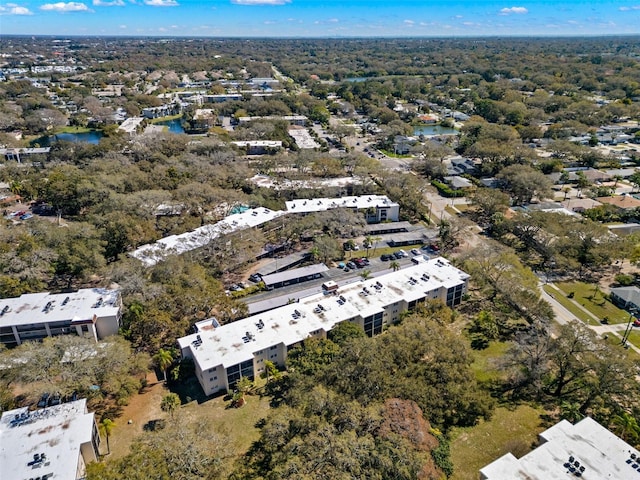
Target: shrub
{"points": [[624, 279]]}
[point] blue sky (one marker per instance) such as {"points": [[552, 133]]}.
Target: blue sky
{"points": [[319, 18]]}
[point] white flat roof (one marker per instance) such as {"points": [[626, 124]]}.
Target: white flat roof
{"points": [[600, 452], [56, 431], [153, 253], [130, 124], [225, 345], [259, 143], [320, 204], [81, 305]]}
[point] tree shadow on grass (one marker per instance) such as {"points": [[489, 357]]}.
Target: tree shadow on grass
{"points": [[153, 425]]}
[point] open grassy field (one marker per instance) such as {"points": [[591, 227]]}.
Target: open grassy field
{"points": [[483, 365], [586, 295], [562, 299], [510, 430]]}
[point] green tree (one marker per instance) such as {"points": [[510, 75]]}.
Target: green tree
{"points": [[170, 403], [395, 266], [106, 427], [163, 360], [626, 427]]}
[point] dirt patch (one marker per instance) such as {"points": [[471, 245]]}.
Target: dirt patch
{"points": [[143, 409]]}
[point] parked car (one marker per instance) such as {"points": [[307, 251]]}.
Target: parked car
{"points": [[402, 253], [415, 251], [44, 399], [55, 399], [359, 262], [351, 265], [26, 216], [385, 257], [397, 255], [636, 323], [255, 277]]}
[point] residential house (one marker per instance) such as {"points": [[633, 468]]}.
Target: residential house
{"points": [[627, 298]]}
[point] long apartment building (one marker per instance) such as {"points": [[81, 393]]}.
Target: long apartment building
{"points": [[89, 312], [376, 208], [222, 354]]}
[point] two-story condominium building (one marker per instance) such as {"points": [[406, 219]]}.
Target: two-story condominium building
{"points": [[89, 312], [51, 443], [224, 354]]}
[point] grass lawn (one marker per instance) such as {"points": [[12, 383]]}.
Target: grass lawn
{"points": [[483, 364], [509, 430], [168, 118], [598, 305], [236, 423], [70, 129], [569, 305], [634, 338]]}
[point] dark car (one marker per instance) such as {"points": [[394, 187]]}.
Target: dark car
{"points": [[255, 277], [385, 257], [55, 399], [44, 399], [351, 265], [398, 255]]}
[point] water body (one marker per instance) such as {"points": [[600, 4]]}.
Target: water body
{"points": [[92, 136], [428, 130], [175, 125]]}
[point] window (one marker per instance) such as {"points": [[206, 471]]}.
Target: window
{"points": [[273, 348], [373, 324]]}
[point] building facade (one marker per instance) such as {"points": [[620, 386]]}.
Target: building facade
{"points": [[89, 312], [224, 354], [50, 443]]}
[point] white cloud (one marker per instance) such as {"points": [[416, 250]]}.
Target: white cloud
{"points": [[409, 22], [333, 20], [13, 9], [65, 7], [260, 2], [514, 10], [161, 3], [632, 7], [111, 3], [123, 27]]}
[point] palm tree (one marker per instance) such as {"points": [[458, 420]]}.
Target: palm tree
{"points": [[106, 425], [368, 243], [625, 426], [395, 266], [375, 243], [163, 359], [365, 274], [170, 403]]}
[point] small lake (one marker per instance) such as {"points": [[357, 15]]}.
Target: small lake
{"points": [[428, 130], [93, 136], [175, 125]]}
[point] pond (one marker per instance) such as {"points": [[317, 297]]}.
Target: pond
{"points": [[92, 136], [175, 125], [428, 130]]}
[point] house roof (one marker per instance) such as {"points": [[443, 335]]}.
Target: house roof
{"points": [[621, 201], [628, 294], [579, 204]]}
